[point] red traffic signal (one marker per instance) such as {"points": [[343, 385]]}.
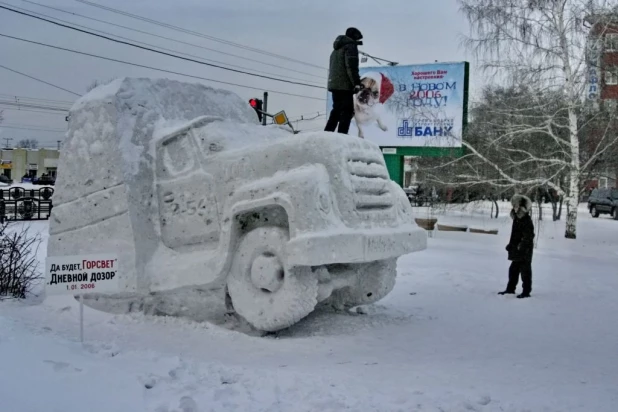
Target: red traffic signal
{"points": [[257, 106]]}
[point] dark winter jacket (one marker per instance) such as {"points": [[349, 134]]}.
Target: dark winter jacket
{"points": [[343, 72], [522, 235]]}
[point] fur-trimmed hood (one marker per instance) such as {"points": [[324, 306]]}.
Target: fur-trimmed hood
{"points": [[522, 204]]}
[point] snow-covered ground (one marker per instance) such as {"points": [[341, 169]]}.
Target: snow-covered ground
{"points": [[441, 341]]}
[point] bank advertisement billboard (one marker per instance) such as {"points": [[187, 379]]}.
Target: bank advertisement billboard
{"points": [[411, 106]]}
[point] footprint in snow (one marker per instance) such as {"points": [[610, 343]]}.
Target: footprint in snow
{"points": [[62, 366], [150, 383], [470, 407], [187, 404], [484, 400], [102, 349], [228, 379]]}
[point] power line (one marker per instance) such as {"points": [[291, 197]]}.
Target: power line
{"points": [[157, 69], [32, 129], [198, 34], [42, 111], [12, 96], [148, 44], [34, 125], [173, 40], [38, 80], [161, 52], [46, 140], [12, 106], [27, 105]]}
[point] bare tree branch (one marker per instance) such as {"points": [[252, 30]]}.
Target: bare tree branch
{"points": [[530, 131]]}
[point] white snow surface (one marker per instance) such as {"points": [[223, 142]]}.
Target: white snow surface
{"points": [[105, 92], [441, 341]]}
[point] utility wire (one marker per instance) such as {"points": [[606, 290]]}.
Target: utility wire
{"points": [[144, 43], [33, 106], [42, 111], [34, 125], [175, 40], [38, 80], [149, 44], [159, 51], [26, 101], [12, 96], [32, 129], [198, 34], [157, 69]]}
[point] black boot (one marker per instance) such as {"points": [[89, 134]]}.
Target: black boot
{"points": [[506, 292], [523, 295]]}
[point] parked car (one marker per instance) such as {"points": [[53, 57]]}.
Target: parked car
{"points": [[4, 179], [44, 180], [603, 201]]}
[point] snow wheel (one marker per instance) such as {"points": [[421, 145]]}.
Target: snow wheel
{"points": [[594, 212], [373, 281], [615, 213], [263, 289]]}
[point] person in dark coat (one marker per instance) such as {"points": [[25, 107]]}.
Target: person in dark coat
{"points": [[520, 246], [344, 80]]}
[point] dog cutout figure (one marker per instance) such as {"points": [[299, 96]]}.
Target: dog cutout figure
{"points": [[377, 89]]}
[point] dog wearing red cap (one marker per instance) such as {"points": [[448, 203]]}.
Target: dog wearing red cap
{"points": [[377, 89]]}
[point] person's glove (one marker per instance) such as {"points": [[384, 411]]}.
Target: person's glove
{"points": [[358, 88]]}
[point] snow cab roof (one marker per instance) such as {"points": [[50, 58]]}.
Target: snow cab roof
{"points": [[175, 102]]}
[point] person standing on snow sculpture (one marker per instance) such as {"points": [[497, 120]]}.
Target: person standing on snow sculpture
{"points": [[344, 80], [520, 246]]}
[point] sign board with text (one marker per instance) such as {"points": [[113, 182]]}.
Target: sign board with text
{"points": [[420, 106], [594, 50], [75, 275]]}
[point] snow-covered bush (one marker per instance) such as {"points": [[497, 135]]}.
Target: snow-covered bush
{"points": [[19, 270]]}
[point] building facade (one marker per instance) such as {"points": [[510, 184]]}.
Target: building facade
{"points": [[602, 90], [17, 163]]}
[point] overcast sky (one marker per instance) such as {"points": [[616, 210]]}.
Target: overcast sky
{"points": [[401, 30]]}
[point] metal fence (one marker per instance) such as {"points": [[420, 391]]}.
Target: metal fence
{"points": [[421, 201], [18, 203]]}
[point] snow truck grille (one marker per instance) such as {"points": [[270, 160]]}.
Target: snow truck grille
{"points": [[371, 182]]}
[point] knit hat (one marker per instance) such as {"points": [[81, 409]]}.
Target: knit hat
{"points": [[354, 33], [386, 86]]}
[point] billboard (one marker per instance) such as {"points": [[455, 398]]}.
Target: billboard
{"points": [[420, 105]]}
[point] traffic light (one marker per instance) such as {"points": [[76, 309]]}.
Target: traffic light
{"points": [[257, 106]]}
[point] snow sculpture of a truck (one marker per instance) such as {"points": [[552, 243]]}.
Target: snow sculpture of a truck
{"points": [[183, 184]]}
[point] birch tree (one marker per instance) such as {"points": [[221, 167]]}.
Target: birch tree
{"points": [[512, 149], [542, 44]]}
